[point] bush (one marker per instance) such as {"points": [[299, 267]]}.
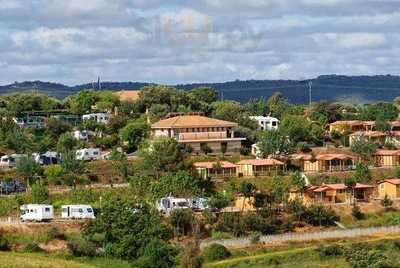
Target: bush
{"points": [[82, 248], [356, 213], [4, 244], [215, 252], [54, 233], [32, 247], [330, 251]]}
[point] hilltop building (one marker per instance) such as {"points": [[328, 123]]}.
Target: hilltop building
{"points": [[202, 134]]}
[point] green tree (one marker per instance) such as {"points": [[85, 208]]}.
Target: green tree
{"points": [[134, 132], [27, 168], [177, 184], [66, 143], [126, 227], [40, 193], [364, 147], [161, 155], [296, 128], [273, 143]]}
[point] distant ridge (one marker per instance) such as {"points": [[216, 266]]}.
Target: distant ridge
{"points": [[359, 89]]}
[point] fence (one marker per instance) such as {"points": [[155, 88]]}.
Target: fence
{"points": [[274, 239]]}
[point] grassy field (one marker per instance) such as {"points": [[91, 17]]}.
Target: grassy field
{"points": [[31, 260]]}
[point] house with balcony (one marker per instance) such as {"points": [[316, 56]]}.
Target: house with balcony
{"points": [[202, 134]]}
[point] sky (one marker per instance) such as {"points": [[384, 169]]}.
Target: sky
{"points": [[177, 41]]}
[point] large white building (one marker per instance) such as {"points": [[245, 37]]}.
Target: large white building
{"points": [[266, 122]]}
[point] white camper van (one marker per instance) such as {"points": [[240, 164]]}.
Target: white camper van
{"points": [[88, 154], [199, 203], [77, 212], [36, 212], [167, 204], [10, 161]]}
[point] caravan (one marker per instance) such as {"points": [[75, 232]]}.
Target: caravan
{"points": [[77, 212], [36, 212], [167, 204], [10, 161], [88, 154]]}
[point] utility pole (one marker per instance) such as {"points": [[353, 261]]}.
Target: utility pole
{"points": [[309, 92]]}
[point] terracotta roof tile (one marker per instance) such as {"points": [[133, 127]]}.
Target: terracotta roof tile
{"points": [[261, 162], [209, 165], [184, 121]]}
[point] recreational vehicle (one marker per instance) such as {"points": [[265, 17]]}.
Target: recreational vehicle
{"points": [[88, 154], [77, 212], [167, 204], [36, 212], [98, 117], [199, 203], [48, 158], [10, 161]]}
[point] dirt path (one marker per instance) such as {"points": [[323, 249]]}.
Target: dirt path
{"points": [[282, 238]]}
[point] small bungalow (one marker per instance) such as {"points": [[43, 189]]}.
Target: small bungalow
{"points": [[387, 158], [389, 187], [333, 193], [258, 167], [216, 169], [325, 162]]}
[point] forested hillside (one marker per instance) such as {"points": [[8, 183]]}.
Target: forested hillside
{"points": [[355, 89]]}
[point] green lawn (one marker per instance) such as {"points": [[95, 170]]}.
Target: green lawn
{"points": [[36, 260]]}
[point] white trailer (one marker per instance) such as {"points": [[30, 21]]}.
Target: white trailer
{"points": [[88, 154], [10, 161], [167, 204], [77, 212], [36, 212], [199, 203]]}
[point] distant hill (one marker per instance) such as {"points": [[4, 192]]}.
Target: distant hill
{"points": [[355, 89]]}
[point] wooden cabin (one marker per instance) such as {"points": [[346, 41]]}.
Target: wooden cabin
{"points": [[387, 158], [389, 187], [324, 162], [258, 167], [216, 169]]}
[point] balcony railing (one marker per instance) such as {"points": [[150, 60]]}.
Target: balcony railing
{"points": [[201, 135]]}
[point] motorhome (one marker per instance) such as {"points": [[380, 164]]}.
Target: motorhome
{"points": [[77, 212], [98, 117], [88, 154], [48, 158], [10, 161], [167, 204], [199, 203], [36, 212]]}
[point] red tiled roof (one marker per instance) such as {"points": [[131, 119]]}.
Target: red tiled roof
{"points": [[209, 165], [261, 162], [185, 121], [392, 181], [387, 152]]}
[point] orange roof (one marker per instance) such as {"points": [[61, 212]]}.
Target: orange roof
{"points": [[185, 121], [325, 157], [261, 162], [209, 165], [387, 152], [392, 181], [128, 95]]}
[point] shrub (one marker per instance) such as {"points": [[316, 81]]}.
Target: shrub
{"points": [[4, 244], [54, 233], [82, 248], [215, 252], [32, 247], [330, 251], [356, 213]]}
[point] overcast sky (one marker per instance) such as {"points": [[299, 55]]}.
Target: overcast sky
{"points": [[177, 41]]}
